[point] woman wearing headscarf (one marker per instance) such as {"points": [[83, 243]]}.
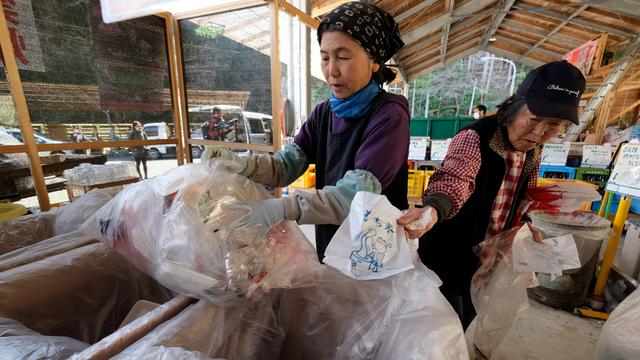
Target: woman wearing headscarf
{"points": [[488, 167], [358, 139]]}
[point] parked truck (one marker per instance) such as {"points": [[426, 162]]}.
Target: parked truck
{"points": [[161, 130]]}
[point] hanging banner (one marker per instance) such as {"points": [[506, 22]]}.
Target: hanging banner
{"points": [[597, 156], [24, 35], [418, 147], [582, 57], [625, 177], [439, 149], [555, 154]]}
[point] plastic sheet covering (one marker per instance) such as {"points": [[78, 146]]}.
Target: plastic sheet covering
{"points": [[498, 291], [26, 230], [401, 317], [71, 216], [83, 293], [620, 336], [175, 228], [18, 342], [43, 249]]}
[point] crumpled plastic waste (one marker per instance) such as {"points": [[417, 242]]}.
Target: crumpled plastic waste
{"points": [[21, 343], [175, 227], [620, 335]]}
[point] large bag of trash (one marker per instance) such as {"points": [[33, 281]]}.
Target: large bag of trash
{"points": [[71, 216], [175, 227], [620, 335], [18, 342], [508, 261], [26, 230]]}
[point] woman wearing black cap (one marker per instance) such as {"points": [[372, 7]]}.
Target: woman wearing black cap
{"points": [[358, 139], [488, 167]]}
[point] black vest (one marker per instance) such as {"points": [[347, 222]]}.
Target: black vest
{"points": [[336, 154], [447, 249]]}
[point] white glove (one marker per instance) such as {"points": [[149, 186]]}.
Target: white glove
{"points": [[233, 163]]}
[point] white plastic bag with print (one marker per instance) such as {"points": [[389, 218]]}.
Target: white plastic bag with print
{"points": [[370, 244]]}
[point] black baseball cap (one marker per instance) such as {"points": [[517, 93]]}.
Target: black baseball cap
{"points": [[554, 90]]}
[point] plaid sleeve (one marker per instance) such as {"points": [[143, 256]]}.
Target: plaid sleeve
{"points": [[533, 177], [456, 179]]}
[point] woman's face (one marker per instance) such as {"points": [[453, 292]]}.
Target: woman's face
{"points": [[138, 127], [527, 130], [346, 66]]}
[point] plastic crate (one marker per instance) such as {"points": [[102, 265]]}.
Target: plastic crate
{"points": [[415, 185], [427, 176], [593, 175], [307, 180], [615, 201], [557, 172]]}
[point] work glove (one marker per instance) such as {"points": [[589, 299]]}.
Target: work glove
{"points": [[417, 222], [259, 216], [233, 163]]}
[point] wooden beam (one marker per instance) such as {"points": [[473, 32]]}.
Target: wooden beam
{"points": [[258, 35], [596, 27], [551, 54], [17, 93], [12, 149], [450, 5], [469, 7], [301, 15], [495, 24], [453, 51], [615, 76], [103, 144], [513, 56], [416, 9], [560, 26], [180, 106], [624, 111], [233, 145], [276, 77], [522, 22], [602, 44], [318, 12]]}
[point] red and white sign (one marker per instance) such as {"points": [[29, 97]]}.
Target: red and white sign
{"points": [[24, 34]]}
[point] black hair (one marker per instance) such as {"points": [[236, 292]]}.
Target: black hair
{"points": [[509, 109], [216, 110], [482, 108], [136, 123]]}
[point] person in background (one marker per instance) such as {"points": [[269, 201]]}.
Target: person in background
{"points": [[215, 128], [140, 153], [488, 167], [358, 139], [78, 136], [479, 112]]}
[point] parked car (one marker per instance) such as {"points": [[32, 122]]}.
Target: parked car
{"points": [[160, 130], [40, 139], [249, 127]]}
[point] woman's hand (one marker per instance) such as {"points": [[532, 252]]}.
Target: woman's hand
{"points": [[417, 222]]}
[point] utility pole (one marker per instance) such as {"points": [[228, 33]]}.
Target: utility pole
{"points": [[473, 95], [413, 99]]}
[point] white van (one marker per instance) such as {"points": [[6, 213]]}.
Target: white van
{"points": [[247, 127], [160, 130]]}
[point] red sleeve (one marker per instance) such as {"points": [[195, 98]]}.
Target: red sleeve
{"points": [[456, 179], [533, 177]]}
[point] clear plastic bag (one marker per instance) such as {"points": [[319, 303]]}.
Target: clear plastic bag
{"points": [[620, 336], [83, 293], [498, 291], [26, 230], [175, 227], [71, 216], [19, 342]]}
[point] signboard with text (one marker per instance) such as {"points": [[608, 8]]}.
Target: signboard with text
{"points": [[439, 149], [597, 156], [555, 154], [625, 177], [418, 147], [24, 35]]}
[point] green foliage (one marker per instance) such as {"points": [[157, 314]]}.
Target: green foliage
{"points": [[210, 30]]}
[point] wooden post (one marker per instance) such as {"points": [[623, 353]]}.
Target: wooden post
{"points": [[275, 79], [177, 89], [602, 43], [17, 93]]}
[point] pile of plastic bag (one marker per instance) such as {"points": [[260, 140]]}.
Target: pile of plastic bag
{"points": [[175, 227], [266, 300], [620, 336]]}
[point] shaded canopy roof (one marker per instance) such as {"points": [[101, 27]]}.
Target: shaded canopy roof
{"points": [[533, 32]]}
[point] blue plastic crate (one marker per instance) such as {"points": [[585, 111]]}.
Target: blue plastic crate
{"points": [[557, 172]]}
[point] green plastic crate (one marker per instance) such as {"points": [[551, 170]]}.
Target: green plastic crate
{"points": [[593, 175]]}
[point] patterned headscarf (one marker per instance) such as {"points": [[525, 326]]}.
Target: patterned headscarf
{"points": [[373, 28]]}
